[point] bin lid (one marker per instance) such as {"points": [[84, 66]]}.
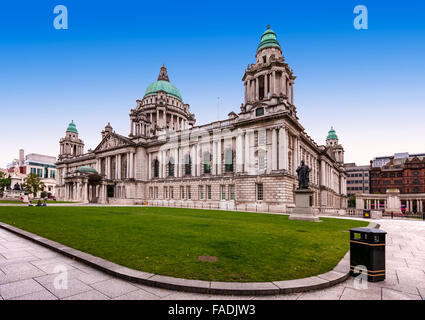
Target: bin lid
{"points": [[368, 230]]}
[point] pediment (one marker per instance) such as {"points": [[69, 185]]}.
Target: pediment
{"points": [[113, 141]]}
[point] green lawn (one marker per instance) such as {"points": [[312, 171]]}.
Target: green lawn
{"points": [[168, 241]]}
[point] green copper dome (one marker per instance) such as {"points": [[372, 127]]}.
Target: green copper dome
{"points": [[268, 39], [332, 134], [162, 85], [72, 127], [86, 169]]}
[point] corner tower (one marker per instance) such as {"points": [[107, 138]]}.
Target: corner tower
{"points": [[270, 81], [71, 146], [333, 143]]}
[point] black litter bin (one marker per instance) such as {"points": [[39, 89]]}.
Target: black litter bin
{"points": [[367, 249], [366, 214]]}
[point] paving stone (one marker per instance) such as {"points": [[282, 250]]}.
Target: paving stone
{"points": [[114, 287], [361, 294], [74, 286], [40, 295], [137, 295], [88, 295], [421, 292], [52, 268], [389, 294], [332, 293], [19, 288], [288, 296], [19, 271], [16, 253], [161, 293]]}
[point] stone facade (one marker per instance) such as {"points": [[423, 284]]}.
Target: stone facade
{"points": [[248, 159], [357, 179]]}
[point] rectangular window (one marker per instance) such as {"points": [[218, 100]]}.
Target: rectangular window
{"points": [[259, 191], [156, 193], [261, 161], [261, 137], [201, 192], [223, 192], [188, 192], [39, 172], [165, 192], [52, 174], [232, 192], [171, 193], [33, 171], [209, 192], [182, 192]]}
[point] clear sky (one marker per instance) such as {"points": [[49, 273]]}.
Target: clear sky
{"points": [[368, 84]]}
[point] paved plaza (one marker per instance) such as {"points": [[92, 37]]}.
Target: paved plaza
{"points": [[29, 271]]}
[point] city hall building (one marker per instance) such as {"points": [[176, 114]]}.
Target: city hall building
{"points": [[248, 160]]}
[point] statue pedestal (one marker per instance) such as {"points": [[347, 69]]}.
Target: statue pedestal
{"points": [[303, 209]]}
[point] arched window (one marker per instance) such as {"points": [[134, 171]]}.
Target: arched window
{"points": [[171, 167], [228, 160], [156, 168], [207, 162], [187, 165]]}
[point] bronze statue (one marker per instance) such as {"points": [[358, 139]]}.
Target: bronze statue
{"points": [[303, 172]]}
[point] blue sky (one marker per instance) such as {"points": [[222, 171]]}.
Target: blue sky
{"points": [[368, 84]]}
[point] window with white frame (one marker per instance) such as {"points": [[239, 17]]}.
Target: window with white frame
{"points": [[232, 192], [259, 188], [188, 192], [209, 192], [261, 137], [223, 192]]}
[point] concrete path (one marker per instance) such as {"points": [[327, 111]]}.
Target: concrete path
{"points": [[31, 272]]}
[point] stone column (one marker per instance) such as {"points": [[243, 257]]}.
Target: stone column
{"points": [[239, 156], [297, 153], [274, 149], [198, 159], [322, 173], [283, 149], [214, 158], [131, 154], [251, 152], [246, 157], [193, 160], [266, 86], [150, 166], [176, 162], [118, 161], [131, 125], [128, 166], [273, 82], [109, 167], [257, 89], [219, 157]]}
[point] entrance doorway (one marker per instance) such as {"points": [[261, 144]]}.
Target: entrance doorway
{"points": [[110, 191]]}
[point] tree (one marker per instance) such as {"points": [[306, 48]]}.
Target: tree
{"points": [[33, 184], [4, 182], [352, 201]]}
